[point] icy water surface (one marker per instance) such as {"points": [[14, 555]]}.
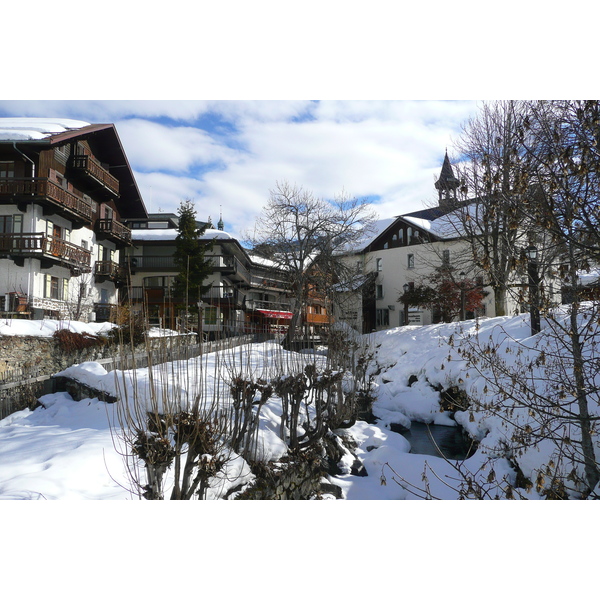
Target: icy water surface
{"points": [[433, 439]]}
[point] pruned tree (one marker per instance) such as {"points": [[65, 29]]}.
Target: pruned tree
{"points": [[304, 236]]}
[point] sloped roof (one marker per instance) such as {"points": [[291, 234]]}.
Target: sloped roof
{"points": [[40, 132], [33, 128]]}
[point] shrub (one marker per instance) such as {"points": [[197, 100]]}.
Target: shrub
{"points": [[71, 341]]}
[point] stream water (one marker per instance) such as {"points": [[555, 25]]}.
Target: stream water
{"points": [[433, 439]]}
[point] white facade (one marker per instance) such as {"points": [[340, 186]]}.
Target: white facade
{"points": [[61, 290]]}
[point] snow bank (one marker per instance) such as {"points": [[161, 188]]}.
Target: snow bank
{"points": [[47, 328]]}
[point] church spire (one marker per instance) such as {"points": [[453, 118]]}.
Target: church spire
{"points": [[220, 224], [446, 185]]}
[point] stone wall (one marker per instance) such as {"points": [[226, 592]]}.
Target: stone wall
{"points": [[27, 364]]}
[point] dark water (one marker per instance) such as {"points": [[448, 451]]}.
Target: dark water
{"points": [[449, 440]]}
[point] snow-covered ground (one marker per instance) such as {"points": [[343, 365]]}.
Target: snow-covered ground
{"points": [[66, 449]]}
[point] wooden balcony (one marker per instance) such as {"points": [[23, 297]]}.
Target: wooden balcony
{"points": [[90, 172], [109, 270], [112, 230], [316, 319], [49, 194], [50, 250]]}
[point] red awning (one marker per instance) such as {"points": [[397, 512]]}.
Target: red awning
{"points": [[275, 314]]}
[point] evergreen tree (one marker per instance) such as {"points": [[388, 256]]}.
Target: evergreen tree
{"points": [[189, 257]]}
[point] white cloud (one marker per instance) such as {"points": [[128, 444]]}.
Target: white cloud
{"points": [[152, 146]]}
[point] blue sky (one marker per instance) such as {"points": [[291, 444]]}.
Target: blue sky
{"points": [[227, 155]]}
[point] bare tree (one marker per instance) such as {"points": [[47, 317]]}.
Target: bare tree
{"points": [[305, 236], [546, 390], [561, 141], [493, 184]]}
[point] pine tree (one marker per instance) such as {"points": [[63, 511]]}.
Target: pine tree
{"points": [[189, 257]]}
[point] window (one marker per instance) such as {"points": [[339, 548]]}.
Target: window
{"points": [[7, 169], [411, 261], [56, 288], [210, 315], [105, 254], [379, 291], [159, 281], [446, 258], [409, 234], [401, 235], [382, 317], [58, 232], [379, 264], [11, 223]]}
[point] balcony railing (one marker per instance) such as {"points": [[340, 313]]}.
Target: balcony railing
{"points": [[109, 269], [223, 295], [261, 282], [113, 229], [230, 265], [268, 305], [39, 244], [42, 189], [91, 168], [147, 263]]}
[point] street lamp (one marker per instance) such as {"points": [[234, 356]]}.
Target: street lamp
{"points": [[534, 286], [462, 276], [405, 287]]}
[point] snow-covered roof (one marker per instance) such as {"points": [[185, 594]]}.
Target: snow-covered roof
{"points": [[590, 277], [171, 234], [374, 232], [35, 128], [260, 260]]}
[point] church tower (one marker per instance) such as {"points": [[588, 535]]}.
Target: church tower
{"points": [[446, 186]]}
